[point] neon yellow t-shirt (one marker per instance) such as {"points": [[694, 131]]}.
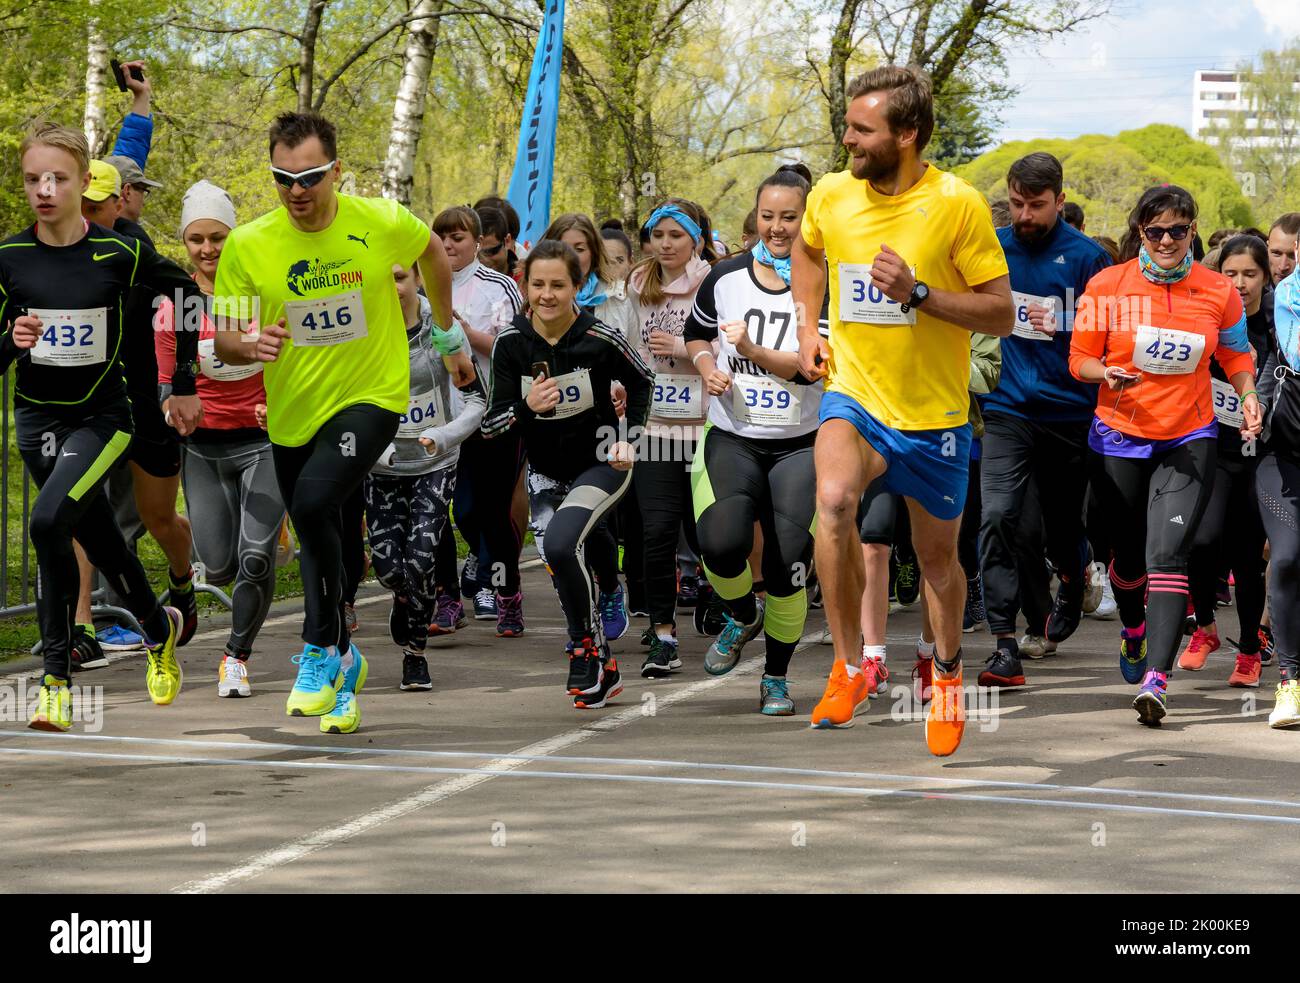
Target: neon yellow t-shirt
{"points": [[907, 369], [335, 289]]}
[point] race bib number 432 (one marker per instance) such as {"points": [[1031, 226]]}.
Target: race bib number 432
{"points": [[1167, 351], [326, 320], [71, 337], [862, 302]]}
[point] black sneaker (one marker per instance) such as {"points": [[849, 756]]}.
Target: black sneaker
{"points": [[415, 672], [398, 622], [86, 653], [585, 670], [187, 603], [1003, 668], [469, 577], [648, 637], [1067, 610], [1266, 647], [710, 617], [814, 592], [907, 586], [485, 604], [688, 592], [611, 684], [893, 578], [661, 660], [975, 615]]}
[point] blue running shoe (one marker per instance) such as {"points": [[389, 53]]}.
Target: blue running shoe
{"points": [[115, 638], [344, 717], [723, 654], [774, 698], [613, 614], [1150, 703], [315, 689], [1133, 656], [353, 670]]}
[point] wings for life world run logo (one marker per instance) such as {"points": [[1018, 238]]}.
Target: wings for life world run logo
{"points": [[309, 275]]}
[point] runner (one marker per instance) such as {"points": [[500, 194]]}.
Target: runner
{"points": [[319, 272], [664, 286], [408, 493], [1277, 484], [227, 472], [619, 248], [64, 283], [1036, 420], [1231, 532], [551, 377], [898, 364], [756, 454], [1146, 328], [485, 301], [1283, 236]]}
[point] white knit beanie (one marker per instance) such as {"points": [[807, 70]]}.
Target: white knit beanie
{"points": [[204, 199]]}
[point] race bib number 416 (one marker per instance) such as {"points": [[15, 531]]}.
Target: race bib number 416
{"points": [[862, 302], [71, 337], [326, 320]]}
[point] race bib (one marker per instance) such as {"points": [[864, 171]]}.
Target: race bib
{"points": [[1227, 404], [212, 367], [326, 320], [575, 394], [678, 397], [422, 412], [763, 401], [1021, 327], [71, 337], [1167, 351], [861, 301]]}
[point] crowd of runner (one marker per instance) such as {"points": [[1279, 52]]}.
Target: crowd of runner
{"points": [[888, 391]]}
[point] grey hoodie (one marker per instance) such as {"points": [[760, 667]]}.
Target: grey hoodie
{"points": [[437, 410]]}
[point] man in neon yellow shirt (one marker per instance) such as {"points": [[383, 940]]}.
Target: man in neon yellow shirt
{"points": [[914, 268], [317, 275]]}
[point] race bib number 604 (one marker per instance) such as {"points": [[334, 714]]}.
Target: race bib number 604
{"points": [[71, 337], [862, 302], [326, 320]]}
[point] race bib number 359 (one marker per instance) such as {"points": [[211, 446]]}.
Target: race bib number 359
{"points": [[764, 401], [862, 302], [1167, 351], [71, 337], [326, 320]]}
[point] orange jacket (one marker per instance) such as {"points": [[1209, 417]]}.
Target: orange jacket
{"points": [[1118, 305]]}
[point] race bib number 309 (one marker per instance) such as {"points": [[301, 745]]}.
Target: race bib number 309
{"points": [[71, 337], [862, 302], [326, 320]]}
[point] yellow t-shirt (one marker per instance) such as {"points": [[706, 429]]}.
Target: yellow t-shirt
{"points": [[336, 292], [908, 370]]}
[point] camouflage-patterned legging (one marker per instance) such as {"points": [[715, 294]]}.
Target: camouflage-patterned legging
{"points": [[406, 517]]}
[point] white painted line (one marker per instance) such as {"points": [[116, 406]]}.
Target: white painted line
{"points": [[473, 776], [876, 776]]}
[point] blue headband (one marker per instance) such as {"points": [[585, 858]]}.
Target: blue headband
{"points": [[678, 216]]}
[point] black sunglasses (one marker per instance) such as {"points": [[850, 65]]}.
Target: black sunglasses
{"points": [[493, 251], [308, 178], [1154, 233]]}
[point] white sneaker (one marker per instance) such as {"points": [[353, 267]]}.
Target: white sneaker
{"points": [[232, 678], [1092, 591], [826, 637], [1107, 609], [1036, 646]]}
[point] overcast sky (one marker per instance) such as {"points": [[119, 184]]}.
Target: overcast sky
{"points": [[1136, 66]]}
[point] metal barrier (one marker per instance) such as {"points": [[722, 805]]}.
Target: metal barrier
{"points": [[17, 587]]}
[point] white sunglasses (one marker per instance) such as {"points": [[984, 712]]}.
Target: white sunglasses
{"points": [[308, 178]]}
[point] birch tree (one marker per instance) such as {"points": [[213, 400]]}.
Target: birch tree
{"points": [[408, 106], [94, 122]]}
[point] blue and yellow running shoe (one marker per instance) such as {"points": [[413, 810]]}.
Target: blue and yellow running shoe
{"points": [[315, 689]]}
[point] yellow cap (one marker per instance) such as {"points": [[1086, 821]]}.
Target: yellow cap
{"points": [[104, 181]]}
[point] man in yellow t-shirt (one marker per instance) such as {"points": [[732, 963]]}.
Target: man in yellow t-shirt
{"points": [[914, 267], [317, 274]]}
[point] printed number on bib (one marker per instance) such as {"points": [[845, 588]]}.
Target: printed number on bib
{"points": [[422, 412], [575, 394], [1021, 327], [862, 302], [71, 337], [1167, 351], [326, 320], [213, 368], [764, 401], [1227, 404], [678, 397]]}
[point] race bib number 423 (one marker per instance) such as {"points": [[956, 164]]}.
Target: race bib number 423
{"points": [[1167, 351], [71, 337], [862, 302], [326, 320]]}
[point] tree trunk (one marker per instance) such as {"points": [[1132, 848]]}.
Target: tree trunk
{"points": [[408, 107], [94, 122], [307, 54], [841, 49]]}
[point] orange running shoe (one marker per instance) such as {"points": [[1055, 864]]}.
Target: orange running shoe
{"points": [[844, 694], [946, 721], [1246, 672], [1200, 645]]}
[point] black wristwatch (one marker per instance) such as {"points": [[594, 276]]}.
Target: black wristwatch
{"points": [[920, 293]]}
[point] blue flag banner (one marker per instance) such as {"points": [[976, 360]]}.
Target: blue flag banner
{"points": [[530, 184]]}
